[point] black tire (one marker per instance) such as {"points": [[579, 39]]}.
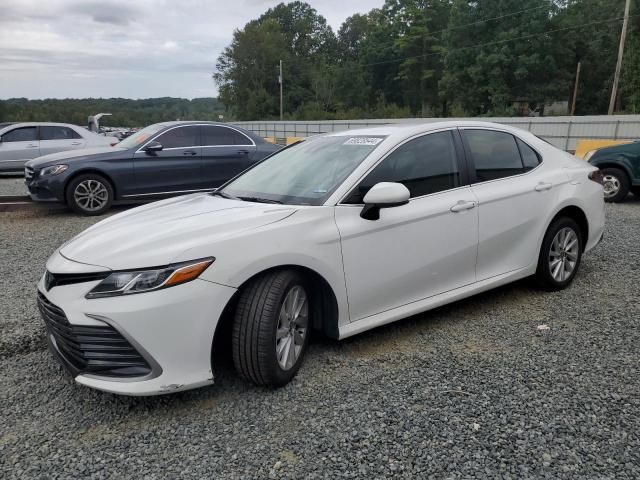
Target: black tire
{"points": [[623, 180], [255, 324], [79, 184], [544, 276]]}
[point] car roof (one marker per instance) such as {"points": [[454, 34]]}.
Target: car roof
{"points": [[45, 124], [404, 130]]}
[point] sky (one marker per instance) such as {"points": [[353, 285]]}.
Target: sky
{"points": [[127, 48]]}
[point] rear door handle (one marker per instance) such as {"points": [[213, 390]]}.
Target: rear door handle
{"points": [[75, 143], [189, 152], [463, 205], [243, 152], [32, 146], [542, 186]]}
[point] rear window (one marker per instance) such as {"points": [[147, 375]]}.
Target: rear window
{"points": [[57, 133]]}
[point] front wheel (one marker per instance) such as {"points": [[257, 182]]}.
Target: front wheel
{"points": [[271, 328], [89, 194], [560, 254]]}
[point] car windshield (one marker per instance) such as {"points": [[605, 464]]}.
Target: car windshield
{"points": [[141, 136], [305, 173]]}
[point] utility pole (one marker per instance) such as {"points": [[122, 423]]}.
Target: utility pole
{"points": [[280, 80], [616, 77], [575, 90]]}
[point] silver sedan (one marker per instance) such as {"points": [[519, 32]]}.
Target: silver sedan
{"points": [[20, 142]]}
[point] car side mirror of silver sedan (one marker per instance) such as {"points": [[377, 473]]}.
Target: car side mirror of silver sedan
{"points": [[383, 195], [153, 147]]}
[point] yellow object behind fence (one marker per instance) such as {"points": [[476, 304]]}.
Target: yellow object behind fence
{"points": [[585, 146]]}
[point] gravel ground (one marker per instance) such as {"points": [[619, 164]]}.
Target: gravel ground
{"points": [[12, 185], [470, 390]]}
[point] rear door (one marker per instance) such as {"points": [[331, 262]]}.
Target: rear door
{"points": [[225, 153], [18, 146], [515, 198], [55, 138], [176, 168]]}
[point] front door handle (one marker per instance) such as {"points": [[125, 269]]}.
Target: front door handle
{"points": [[463, 205], [76, 143], [189, 152], [32, 146], [542, 186]]}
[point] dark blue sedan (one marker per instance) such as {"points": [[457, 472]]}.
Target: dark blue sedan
{"points": [[161, 160]]}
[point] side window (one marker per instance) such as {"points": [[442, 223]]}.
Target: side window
{"points": [[180, 137], [24, 134], [495, 154], [425, 165], [215, 136], [57, 133], [530, 158]]}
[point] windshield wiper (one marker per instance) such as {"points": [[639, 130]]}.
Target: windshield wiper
{"points": [[259, 200], [219, 193]]}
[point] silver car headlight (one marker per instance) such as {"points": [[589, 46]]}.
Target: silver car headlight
{"points": [[139, 281], [53, 170]]}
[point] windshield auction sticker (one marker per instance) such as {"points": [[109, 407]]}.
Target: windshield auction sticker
{"points": [[363, 141]]}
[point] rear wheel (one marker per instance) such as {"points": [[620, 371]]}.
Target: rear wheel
{"points": [[560, 254], [615, 184], [89, 194], [271, 328]]}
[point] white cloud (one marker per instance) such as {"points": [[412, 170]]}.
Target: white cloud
{"points": [[146, 48]]}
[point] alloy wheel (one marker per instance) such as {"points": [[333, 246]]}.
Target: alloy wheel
{"points": [[563, 254], [611, 185], [292, 327], [91, 195]]}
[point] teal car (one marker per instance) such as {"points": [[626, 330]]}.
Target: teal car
{"points": [[620, 166]]}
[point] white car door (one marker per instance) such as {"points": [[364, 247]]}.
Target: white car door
{"points": [[58, 138], [417, 250], [515, 198], [17, 146]]}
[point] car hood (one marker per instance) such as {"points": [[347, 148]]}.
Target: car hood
{"points": [[158, 233], [97, 153]]}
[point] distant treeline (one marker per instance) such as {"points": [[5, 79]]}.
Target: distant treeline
{"points": [[126, 112]]}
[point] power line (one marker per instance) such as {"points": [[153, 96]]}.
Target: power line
{"points": [[477, 22], [497, 42]]}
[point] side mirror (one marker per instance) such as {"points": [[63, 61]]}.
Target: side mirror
{"points": [[153, 147], [383, 195]]}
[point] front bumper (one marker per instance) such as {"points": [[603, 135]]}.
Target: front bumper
{"points": [[44, 189], [172, 329]]}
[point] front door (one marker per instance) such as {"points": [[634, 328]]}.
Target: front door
{"points": [[18, 146], [417, 250], [225, 153], [177, 168]]}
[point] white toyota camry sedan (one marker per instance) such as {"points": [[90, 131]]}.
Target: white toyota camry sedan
{"points": [[337, 234]]}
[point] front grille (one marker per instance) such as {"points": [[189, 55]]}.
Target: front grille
{"points": [[58, 279], [28, 173], [91, 349]]}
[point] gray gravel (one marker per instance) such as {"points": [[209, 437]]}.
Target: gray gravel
{"points": [[11, 184], [470, 390]]}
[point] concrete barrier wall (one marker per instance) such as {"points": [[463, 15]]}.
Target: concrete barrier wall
{"points": [[563, 132]]}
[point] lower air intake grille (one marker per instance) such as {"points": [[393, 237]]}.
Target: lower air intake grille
{"points": [[91, 349]]}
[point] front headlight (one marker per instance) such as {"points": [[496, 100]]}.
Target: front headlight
{"points": [[53, 170], [588, 155], [140, 281]]}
